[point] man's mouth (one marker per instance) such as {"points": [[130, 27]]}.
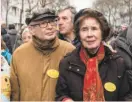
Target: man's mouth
{"points": [[61, 28], [50, 33]]}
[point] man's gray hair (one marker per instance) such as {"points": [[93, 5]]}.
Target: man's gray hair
{"points": [[72, 10]]}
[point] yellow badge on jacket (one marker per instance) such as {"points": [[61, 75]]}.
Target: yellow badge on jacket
{"points": [[53, 73], [109, 86]]}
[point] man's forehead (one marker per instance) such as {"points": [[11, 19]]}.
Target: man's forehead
{"points": [[66, 12]]}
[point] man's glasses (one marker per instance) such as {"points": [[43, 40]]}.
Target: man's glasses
{"points": [[44, 24]]}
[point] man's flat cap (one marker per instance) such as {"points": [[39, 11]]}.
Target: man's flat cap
{"points": [[41, 14]]}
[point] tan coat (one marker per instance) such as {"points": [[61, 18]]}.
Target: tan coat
{"points": [[29, 79]]}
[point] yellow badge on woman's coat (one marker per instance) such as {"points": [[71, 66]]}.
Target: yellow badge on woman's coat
{"points": [[53, 73], [109, 86]]}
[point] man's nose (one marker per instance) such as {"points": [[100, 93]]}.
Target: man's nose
{"points": [[60, 21], [49, 25]]}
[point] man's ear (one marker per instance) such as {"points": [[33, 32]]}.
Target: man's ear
{"points": [[31, 30]]}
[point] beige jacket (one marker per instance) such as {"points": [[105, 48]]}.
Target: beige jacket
{"points": [[29, 79]]}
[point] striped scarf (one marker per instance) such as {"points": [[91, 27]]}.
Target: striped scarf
{"points": [[46, 47]]}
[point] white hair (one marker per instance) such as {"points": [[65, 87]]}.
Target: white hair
{"points": [[25, 30]]}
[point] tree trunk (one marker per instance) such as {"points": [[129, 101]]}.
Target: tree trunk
{"points": [[21, 13], [130, 18], [7, 10]]}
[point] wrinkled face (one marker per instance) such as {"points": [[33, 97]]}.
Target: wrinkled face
{"points": [[65, 22], [44, 30], [26, 36], [90, 33]]}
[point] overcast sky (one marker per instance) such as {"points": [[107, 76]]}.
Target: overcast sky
{"points": [[80, 4]]}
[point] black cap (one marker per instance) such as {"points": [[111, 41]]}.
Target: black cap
{"points": [[40, 15], [84, 11]]}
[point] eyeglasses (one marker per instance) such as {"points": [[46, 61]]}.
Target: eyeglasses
{"points": [[44, 24]]}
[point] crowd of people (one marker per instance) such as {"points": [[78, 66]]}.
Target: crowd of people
{"points": [[68, 56]]}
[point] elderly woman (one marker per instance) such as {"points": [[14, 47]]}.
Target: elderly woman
{"points": [[92, 72]]}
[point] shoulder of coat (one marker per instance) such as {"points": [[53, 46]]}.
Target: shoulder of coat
{"points": [[66, 44]]}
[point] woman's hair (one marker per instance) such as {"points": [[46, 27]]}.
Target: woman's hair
{"points": [[3, 44], [87, 12]]}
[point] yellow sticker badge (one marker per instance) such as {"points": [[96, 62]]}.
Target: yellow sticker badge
{"points": [[53, 73], [109, 86]]}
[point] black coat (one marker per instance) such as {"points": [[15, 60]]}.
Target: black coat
{"points": [[7, 39], [111, 69], [123, 44], [75, 42]]}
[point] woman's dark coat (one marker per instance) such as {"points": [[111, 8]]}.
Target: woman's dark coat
{"points": [[111, 69]]}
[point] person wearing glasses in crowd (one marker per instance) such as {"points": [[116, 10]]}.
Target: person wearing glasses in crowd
{"points": [[93, 72], [34, 65]]}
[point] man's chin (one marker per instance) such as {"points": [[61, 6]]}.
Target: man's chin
{"points": [[62, 32], [50, 38]]}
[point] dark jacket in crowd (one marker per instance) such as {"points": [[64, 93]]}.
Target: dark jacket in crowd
{"points": [[123, 45], [72, 71], [13, 36], [7, 39], [5, 53], [75, 42]]}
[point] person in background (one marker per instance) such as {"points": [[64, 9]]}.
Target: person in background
{"points": [[19, 41], [13, 35], [65, 21], [124, 27], [34, 65], [5, 52], [6, 37], [93, 72], [123, 45], [5, 80], [26, 35]]}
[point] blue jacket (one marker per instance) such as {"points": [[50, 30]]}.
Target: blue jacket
{"points": [[7, 55]]}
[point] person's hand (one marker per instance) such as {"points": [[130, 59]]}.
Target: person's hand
{"points": [[110, 47], [68, 100]]}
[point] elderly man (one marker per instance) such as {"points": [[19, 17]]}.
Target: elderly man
{"points": [[34, 66]]}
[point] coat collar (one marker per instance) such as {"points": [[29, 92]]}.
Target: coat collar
{"points": [[76, 58], [77, 66], [75, 63]]}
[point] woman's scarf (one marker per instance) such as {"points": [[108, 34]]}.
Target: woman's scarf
{"points": [[92, 89], [46, 47]]}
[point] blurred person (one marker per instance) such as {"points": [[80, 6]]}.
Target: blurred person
{"points": [[65, 21], [5, 52], [124, 27], [19, 41], [123, 45], [26, 35], [34, 66], [92, 72], [13, 35], [6, 37], [5, 80]]}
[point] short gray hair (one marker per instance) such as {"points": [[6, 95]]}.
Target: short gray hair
{"points": [[72, 10]]}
